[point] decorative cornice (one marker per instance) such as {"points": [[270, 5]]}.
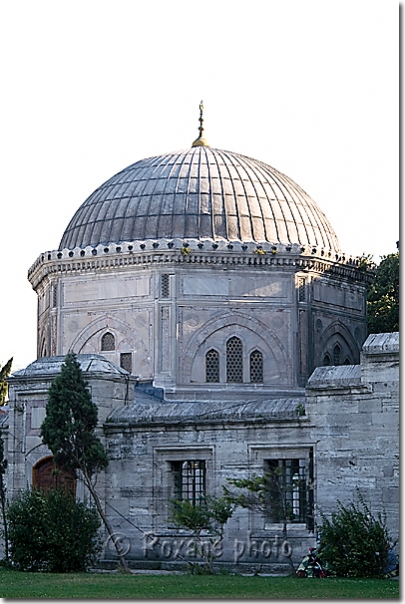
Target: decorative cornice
{"points": [[178, 251]]}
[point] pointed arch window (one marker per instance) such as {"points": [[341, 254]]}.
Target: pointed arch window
{"points": [[326, 360], [336, 355], [347, 361], [256, 367], [212, 366], [108, 342], [234, 360]]}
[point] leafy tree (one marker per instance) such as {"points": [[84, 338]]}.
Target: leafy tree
{"points": [[69, 431], [206, 519], [383, 297], [50, 531], [354, 543], [267, 495], [3, 467], [4, 373]]}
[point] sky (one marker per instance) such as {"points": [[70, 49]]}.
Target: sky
{"points": [[89, 87]]}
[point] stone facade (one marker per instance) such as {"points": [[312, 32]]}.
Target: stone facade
{"points": [[28, 396], [348, 438], [355, 412]]}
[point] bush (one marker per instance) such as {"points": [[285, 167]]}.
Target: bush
{"points": [[206, 520], [50, 532], [354, 543]]}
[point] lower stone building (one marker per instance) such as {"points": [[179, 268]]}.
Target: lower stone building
{"points": [[342, 435]]}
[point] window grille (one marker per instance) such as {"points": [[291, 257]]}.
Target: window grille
{"points": [[326, 360], [55, 296], [189, 480], [164, 286], [288, 486], [126, 361], [234, 360], [336, 355], [107, 342], [301, 290], [212, 366], [256, 367]]}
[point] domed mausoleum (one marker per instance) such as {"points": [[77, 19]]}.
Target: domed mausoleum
{"points": [[200, 290], [202, 272]]}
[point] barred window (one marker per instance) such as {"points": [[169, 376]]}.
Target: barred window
{"points": [[336, 355], [164, 286], [126, 361], [212, 366], [189, 480], [107, 342], [256, 367], [55, 296], [301, 290], [234, 360], [288, 485]]}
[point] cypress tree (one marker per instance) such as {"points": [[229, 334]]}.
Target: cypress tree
{"points": [[69, 431]]}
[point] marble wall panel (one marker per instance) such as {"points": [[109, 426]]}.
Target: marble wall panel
{"points": [[108, 288], [235, 286]]}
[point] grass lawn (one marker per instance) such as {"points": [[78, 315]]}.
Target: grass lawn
{"points": [[15, 584]]}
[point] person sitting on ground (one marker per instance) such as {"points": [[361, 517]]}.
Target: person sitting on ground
{"points": [[391, 569], [311, 565]]}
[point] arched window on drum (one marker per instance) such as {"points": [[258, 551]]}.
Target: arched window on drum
{"points": [[212, 366], [107, 342], [336, 355], [234, 360], [256, 367]]}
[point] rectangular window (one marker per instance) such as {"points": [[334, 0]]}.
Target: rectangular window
{"points": [[126, 361], [290, 490], [55, 296], [165, 286], [189, 480], [301, 289]]}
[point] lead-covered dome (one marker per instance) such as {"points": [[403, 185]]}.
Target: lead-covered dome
{"points": [[199, 193]]}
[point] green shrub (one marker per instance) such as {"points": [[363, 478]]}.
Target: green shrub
{"points": [[50, 531], [206, 520], [354, 542]]}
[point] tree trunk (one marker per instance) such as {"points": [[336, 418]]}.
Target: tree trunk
{"points": [[290, 562], [3, 512], [108, 526]]}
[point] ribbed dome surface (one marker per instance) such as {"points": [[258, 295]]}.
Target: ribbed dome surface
{"points": [[199, 193]]}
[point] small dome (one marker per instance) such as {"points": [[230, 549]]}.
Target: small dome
{"points": [[199, 193]]}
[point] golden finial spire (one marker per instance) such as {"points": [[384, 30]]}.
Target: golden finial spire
{"points": [[200, 141]]}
